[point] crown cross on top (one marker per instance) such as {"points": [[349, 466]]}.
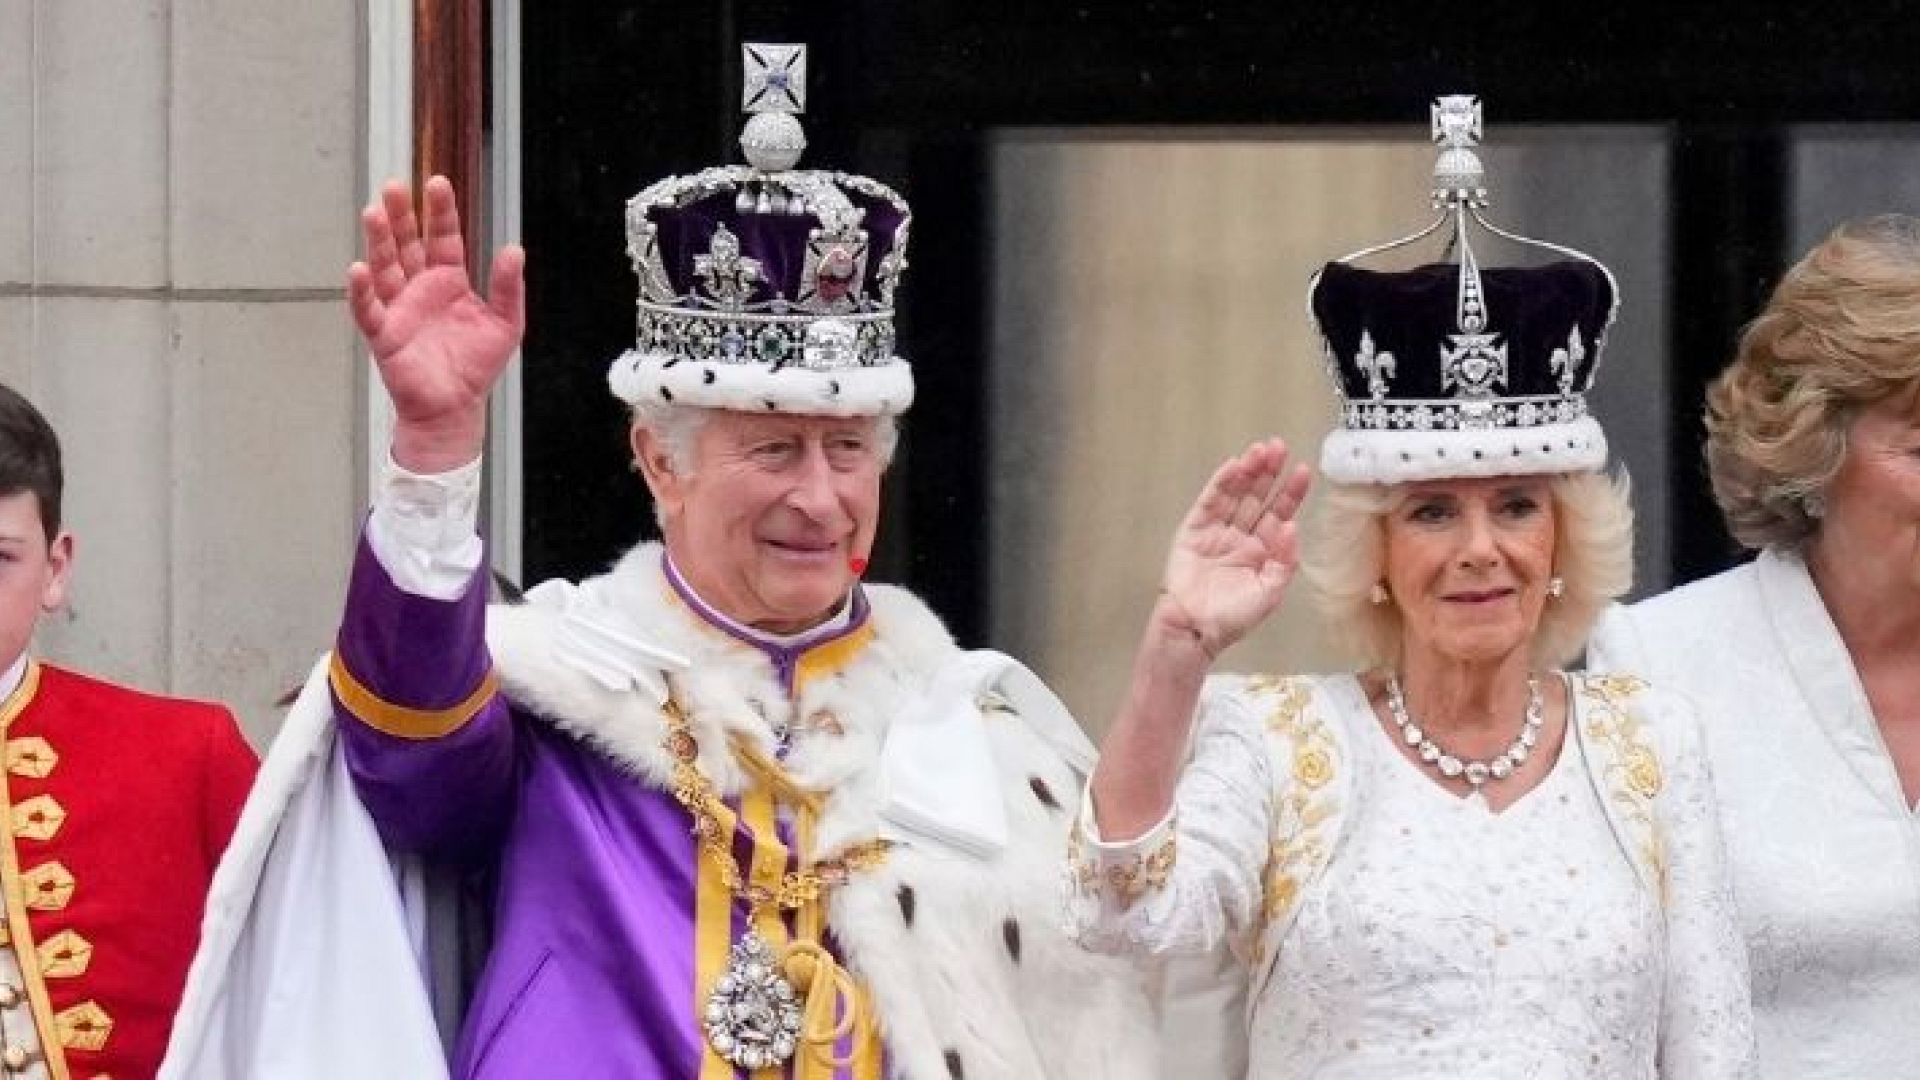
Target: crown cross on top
{"points": [[1457, 122], [776, 78], [1458, 177]]}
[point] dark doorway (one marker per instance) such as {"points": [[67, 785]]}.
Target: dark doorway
{"points": [[618, 94]]}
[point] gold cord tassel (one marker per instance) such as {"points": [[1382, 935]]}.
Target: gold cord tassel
{"points": [[824, 987], [833, 1006]]}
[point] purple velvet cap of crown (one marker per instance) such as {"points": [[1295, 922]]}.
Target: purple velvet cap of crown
{"points": [[777, 241], [1412, 315], [1426, 397], [767, 291]]}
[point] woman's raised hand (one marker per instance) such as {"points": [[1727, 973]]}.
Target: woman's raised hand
{"points": [[1236, 550], [439, 346]]}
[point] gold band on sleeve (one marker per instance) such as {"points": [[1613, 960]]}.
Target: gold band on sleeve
{"points": [[398, 720]]}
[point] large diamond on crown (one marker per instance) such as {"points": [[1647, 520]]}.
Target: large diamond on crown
{"points": [[1473, 365], [831, 344]]}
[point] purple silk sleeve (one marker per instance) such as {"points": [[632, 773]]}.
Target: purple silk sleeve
{"points": [[433, 758]]}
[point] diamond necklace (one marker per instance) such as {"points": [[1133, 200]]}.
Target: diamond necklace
{"points": [[1448, 765]]}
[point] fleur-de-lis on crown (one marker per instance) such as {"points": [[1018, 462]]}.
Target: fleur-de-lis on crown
{"points": [[728, 276], [1566, 362], [1377, 365]]}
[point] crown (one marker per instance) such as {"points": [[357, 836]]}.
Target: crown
{"points": [[763, 286], [1458, 369]]}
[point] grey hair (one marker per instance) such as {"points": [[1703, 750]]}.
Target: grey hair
{"points": [[678, 425], [678, 429]]}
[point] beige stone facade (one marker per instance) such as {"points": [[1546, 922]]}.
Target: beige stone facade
{"points": [[181, 179]]}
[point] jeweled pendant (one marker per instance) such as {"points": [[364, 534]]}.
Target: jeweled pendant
{"points": [[752, 1018]]}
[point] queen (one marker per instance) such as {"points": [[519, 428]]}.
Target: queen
{"points": [[1458, 859]]}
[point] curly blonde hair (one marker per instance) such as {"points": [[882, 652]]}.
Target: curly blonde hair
{"points": [[1841, 333], [1345, 555]]}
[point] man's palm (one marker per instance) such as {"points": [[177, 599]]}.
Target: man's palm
{"points": [[439, 346], [441, 349]]}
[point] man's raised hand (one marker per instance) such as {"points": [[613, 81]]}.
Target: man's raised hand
{"points": [[439, 346]]}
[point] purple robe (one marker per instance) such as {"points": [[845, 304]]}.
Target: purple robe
{"points": [[594, 970]]}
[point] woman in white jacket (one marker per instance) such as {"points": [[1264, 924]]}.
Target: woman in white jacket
{"points": [[1458, 860], [1805, 662]]}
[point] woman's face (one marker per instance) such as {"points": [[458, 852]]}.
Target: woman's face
{"points": [[1467, 563], [1873, 502]]}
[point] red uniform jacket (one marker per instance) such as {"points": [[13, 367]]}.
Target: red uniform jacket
{"points": [[120, 804]]}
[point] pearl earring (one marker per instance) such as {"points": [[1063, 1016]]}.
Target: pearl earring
{"points": [[1556, 586], [1379, 594]]}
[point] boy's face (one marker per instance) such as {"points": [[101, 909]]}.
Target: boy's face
{"points": [[33, 573]]}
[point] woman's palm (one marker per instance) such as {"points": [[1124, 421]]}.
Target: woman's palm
{"points": [[1235, 551]]}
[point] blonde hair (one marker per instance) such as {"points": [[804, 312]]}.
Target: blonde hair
{"points": [[1841, 333], [1345, 556]]}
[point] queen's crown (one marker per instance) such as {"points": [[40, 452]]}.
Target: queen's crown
{"points": [[1457, 367]]}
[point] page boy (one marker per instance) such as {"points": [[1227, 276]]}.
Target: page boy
{"points": [[119, 805]]}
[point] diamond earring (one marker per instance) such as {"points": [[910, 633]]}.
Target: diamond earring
{"points": [[1556, 586], [1379, 595]]}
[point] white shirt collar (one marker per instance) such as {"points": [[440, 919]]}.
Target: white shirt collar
{"points": [[10, 681]]}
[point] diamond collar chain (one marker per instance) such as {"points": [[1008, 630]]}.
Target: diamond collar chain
{"points": [[772, 1001], [695, 792], [1451, 766]]}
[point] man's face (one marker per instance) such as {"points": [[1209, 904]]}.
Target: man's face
{"points": [[772, 513], [33, 572]]}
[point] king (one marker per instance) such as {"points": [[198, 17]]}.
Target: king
{"points": [[740, 814]]}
